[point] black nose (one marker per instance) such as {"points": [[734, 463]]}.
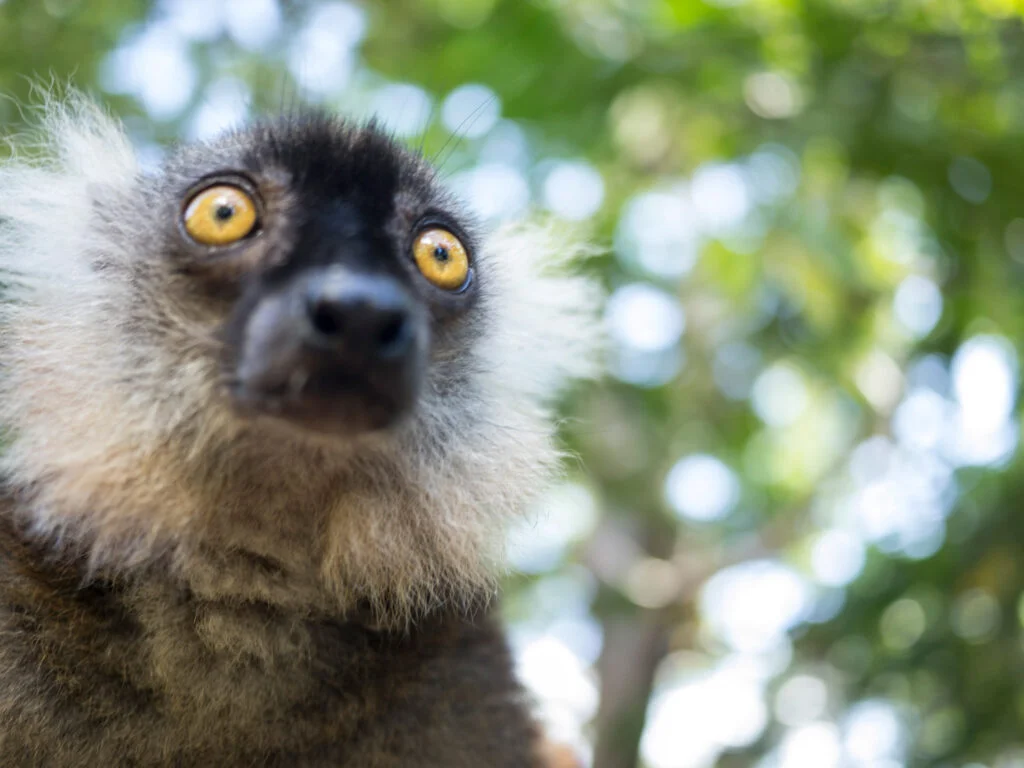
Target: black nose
{"points": [[362, 315]]}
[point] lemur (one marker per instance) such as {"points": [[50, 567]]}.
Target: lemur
{"points": [[268, 410]]}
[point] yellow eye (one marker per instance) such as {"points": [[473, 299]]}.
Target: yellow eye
{"points": [[220, 215], [441, 258]]}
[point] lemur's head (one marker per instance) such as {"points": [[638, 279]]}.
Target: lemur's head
{"points": [[290, 347], [340, 282]]}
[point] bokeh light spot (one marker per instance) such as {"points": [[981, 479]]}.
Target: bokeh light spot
{"points": [[574, 190], [918, 305], [701, 487], [837, 557], [779, 395]]}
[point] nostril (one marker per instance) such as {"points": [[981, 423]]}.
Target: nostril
{"points": [[326, 317], [394, 334]]}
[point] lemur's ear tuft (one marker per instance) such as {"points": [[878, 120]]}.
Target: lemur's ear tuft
{"points": [[71, 156], [547, 325]]}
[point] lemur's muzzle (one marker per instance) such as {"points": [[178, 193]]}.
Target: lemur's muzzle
{"points": [[333, 350]]}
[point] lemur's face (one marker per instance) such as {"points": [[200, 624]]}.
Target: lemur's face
{"points": [[340, 272]]}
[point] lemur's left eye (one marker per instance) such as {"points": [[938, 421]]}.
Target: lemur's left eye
{"points": [[442, 258], [220, 215]]}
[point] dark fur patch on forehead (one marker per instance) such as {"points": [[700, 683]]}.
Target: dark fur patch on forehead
{"points": [[330, 159]]}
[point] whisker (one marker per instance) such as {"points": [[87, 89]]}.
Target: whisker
{"points": [[471, 118]]}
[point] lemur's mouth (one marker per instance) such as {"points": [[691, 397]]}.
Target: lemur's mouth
{"points": [[342, 413], [335, 352]]}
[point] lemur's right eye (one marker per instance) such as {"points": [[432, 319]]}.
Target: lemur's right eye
{"points": [[220, 215]]}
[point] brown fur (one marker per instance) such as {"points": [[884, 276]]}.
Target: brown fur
{"points": [[142, 672]]}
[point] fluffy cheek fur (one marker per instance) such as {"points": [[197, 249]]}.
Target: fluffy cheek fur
{"points": [[121, 442]]}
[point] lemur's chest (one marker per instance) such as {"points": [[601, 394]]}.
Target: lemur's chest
{"points": [[91, 677]]}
